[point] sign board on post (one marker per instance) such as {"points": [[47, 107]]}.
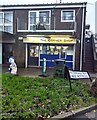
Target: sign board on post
{"points": [[74, 75], [79, 75]]}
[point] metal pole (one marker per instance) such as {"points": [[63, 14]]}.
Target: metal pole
{"points": [[26, 59], [81, 53], [54, 22]]}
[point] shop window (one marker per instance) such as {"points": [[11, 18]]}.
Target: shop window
{"points": [[67, 16], [54, 50], [34, 51], [70, 48], [44, 49]]}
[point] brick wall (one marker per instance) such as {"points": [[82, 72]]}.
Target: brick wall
{"points": [[19, 53], [95, 66]]}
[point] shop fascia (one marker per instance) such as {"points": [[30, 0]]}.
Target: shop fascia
{"points": [[58, 39]]}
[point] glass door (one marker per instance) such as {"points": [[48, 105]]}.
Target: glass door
{"points": [[33, 55]]}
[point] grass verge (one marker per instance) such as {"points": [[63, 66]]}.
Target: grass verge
{"points": [[27, 97]]}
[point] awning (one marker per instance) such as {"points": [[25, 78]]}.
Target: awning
{"points": [[51, 39]]}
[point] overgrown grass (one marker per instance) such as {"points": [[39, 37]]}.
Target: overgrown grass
{"points": [[26, 97]]}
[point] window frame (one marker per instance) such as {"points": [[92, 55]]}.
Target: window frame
{"points": [[7, 24], [37, 17], [68, 11], [49, 14], [2, 18]]}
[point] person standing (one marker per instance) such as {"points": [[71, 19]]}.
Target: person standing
{"points": [[12, 65]]}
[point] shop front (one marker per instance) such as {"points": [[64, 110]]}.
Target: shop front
{"points": [[50, 47]]}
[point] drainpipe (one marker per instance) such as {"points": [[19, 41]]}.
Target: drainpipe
{"points": [[54, 22], [26, 57], [82, 37]]}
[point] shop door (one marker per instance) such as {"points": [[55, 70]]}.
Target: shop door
{"points": [[33, 55]]}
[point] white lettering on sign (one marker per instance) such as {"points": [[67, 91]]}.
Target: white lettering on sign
{"points": [[78, 75]]}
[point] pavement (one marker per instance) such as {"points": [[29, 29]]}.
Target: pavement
{"points": [[36, 71], [92, 115], [30, 72]]}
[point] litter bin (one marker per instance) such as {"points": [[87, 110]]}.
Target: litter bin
{"points": [[59, 68]]}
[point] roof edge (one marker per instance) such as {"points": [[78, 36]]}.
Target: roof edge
{"points": [[44, 4]]}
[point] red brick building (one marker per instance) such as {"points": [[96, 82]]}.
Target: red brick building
{"points": [[37, 31]]}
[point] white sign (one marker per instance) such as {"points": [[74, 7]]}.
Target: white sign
{"points": [[78, 75]]}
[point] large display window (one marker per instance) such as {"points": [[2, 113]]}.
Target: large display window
{"points": [[36, 53], [53, 49], [52, 52]]}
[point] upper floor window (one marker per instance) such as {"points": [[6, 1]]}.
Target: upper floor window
{"points": [[6, 21], [39, 20], [44, 17], [8, 18], [1, 18], [67, 16]]}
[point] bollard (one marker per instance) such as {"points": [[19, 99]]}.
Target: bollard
{"points": [[44, 68]]}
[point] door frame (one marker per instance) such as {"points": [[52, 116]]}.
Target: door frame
{"points": [[27, 60]]}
